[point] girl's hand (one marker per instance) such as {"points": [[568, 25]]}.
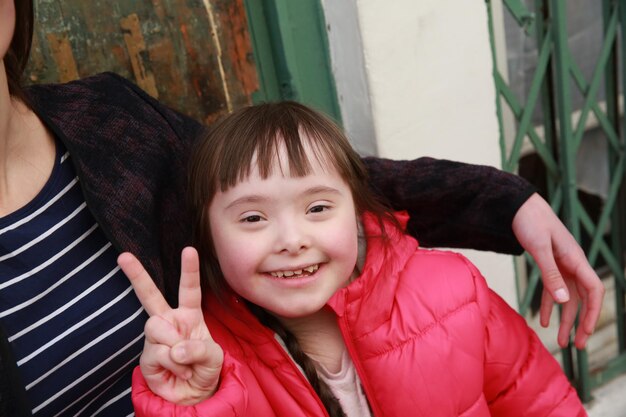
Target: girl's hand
{"points": [[180, 361]]}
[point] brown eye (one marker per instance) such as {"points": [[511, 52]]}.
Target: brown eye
{"points": [[318, 209], [251, 219]]}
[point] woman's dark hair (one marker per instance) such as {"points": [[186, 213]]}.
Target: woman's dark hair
{"points": [[225, 157], [16, 58]]}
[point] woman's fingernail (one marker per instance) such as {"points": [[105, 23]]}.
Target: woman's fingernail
{"points": [[561, 295]]}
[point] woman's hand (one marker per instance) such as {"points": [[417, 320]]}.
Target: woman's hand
{"points": [[180, 362], [566, 274]]}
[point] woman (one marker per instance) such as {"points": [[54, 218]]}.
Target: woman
{"points": [[96, 167]]}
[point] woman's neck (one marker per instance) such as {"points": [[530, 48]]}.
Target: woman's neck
{"points": [[27, 152], [319, 337]]}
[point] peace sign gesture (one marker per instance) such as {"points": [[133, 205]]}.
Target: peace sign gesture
{"points": [[180, 362]]}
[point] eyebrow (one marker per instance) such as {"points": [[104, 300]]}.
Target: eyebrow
{"points": [[256, 198], [247, 199], [320, 189]]}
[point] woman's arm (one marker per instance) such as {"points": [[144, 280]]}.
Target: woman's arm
{"points": [[453, 204]]}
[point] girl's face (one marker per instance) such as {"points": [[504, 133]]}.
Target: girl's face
{"points": [[7, 25], [286, 244]]}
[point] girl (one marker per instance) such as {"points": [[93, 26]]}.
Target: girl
{"points": [[317, 303]]}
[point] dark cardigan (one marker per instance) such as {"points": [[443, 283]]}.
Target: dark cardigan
{"points": [[131, 152]]}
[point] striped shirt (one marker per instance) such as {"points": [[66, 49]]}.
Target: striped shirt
{"points": [[73, 320]]}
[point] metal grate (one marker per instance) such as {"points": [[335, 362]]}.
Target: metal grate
{"points": [[547, 122]]}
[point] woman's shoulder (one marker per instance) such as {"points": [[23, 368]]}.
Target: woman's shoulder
{"points": [[99, 100], [103, 82], [105, 92], [103, 95]]}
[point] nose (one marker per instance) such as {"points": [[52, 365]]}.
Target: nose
{"points": [[292, 237]]}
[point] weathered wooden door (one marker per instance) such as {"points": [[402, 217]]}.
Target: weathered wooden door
{"points": [[193, 55]]}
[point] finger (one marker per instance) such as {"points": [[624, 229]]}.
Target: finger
{"points": [[580, 339], [206, 360], [160, 331], [189, 352], [145, 288], [157, 359], [568, 316], [593, 307], [551, 277], [545, 312], [591, 290], [189, 292]]}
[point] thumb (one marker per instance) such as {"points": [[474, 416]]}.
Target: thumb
{"points": [[195, 352], [198, 353], [205, 358]]}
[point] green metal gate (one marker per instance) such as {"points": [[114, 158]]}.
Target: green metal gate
{"points": [[558, 140]]}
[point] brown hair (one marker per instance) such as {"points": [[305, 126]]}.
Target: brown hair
{"points": [[255, 134], [16, 58]]}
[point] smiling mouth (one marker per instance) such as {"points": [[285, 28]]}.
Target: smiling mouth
{"points": [[309, 270]]}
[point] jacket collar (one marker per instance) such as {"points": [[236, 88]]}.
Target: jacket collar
{"points": [[373, 292]]}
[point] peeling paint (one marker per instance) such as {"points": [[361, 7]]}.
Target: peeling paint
{"points": [[155, 43], [239, 47], [63, 56], [135, 46]]}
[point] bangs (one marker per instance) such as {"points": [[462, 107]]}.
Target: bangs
{"points": [[273, 139], [255, 138]]}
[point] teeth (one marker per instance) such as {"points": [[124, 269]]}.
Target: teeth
{"points": [[297, 273]]}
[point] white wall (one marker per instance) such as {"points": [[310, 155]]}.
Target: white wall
{"points": [[428, 79], [348, 66]]}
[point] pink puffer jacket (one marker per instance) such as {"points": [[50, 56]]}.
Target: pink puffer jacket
{"points": [[427, 337]]}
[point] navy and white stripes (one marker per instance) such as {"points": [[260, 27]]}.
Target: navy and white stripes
{"points": [[72, 318]]}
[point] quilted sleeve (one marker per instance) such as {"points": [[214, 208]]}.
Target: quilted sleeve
{"points": [[521, 377], [231, 399]]}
